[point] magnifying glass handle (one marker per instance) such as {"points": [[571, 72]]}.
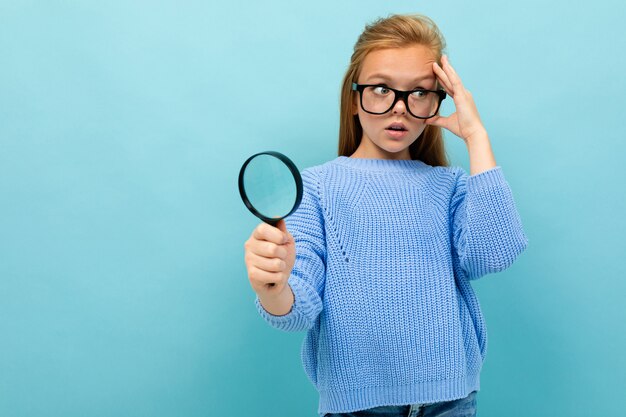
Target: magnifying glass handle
{"points": [[272, 222]]}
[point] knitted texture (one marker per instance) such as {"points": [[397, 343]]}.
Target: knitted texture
{"points": [[385, 252]]}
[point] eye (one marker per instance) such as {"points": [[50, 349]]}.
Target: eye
{"points": [[419, 93], [381, 89]]}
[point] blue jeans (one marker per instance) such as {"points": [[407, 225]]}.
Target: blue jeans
{"points": [[463, 407]]}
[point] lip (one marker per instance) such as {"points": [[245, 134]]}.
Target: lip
{"points": [[397, 124], [397, 134]]}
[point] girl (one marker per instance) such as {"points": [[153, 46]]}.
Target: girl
{"points": [[376, 262]]}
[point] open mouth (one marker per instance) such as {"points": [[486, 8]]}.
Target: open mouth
{"points": [[396, 127], [396, 130], [396, 133]]}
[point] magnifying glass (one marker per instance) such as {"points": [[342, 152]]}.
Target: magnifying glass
{"points": [[270, 186]]}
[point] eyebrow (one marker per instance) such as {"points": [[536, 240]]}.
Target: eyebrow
{"points": [[388, 78]]}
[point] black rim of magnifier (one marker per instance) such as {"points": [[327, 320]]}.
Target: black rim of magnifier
{"points": [[294, 171]]}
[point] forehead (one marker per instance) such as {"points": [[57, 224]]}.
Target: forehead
{"points": [[406, 63]]}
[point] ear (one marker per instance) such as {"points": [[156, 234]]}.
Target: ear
{"points": [[355, 104]]}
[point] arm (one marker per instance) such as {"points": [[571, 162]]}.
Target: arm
{"points": [[487, 231], [307, 279], [480, 153]]}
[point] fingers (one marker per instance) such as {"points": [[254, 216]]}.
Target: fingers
{"points": [[264, 277], [448, 76], [267, 249], [435, 121], [438, 121], [447, 86], [267, 264], [453, 77], [270, 233], [448, 68], [450, 122]]}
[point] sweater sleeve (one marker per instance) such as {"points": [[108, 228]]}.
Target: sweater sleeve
{"points": [[487, 229], [306, 225]]}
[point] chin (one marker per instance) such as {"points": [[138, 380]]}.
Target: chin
{"points": [[401, 147]]}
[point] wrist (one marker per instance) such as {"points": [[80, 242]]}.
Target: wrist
{"points": [[280, 303], [479, 136]]}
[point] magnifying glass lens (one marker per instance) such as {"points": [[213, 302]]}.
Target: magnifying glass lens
{"points": [[270, 186]]}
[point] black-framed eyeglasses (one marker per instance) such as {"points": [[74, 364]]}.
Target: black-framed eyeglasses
{"points": [[377, 99]]}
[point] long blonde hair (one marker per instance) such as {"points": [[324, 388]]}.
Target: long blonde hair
{"points": [[394, 31]]}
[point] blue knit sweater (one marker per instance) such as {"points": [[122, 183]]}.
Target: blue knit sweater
{"points": [[385, 252]]}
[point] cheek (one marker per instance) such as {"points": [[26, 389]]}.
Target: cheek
{"points": [[368, 121]]}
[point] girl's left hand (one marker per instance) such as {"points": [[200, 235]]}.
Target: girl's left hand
{"points": [[465, 121]]}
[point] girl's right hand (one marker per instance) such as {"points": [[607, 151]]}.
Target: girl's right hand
{"points": [[270, 254]]}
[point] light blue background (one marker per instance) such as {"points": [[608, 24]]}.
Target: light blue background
{"points": [[123, 288]]}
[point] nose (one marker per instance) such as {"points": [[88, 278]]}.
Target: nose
{"points": [[399, 107]]}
